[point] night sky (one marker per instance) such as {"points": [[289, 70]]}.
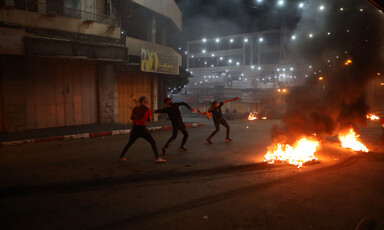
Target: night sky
{"points": [[212, 18]]}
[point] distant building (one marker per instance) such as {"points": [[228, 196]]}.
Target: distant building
{"points": [[252, 66], [76, 62]]}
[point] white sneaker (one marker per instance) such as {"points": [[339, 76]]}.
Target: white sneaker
{"points": [[160, 160]]}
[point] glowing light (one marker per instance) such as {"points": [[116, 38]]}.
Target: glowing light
{"points": [[212, 55], [310, 67], [301, 5], [230, 61], [259, 68], [253, 116], [301, 152], [261, 39], [217, 40], [231, 40], [245, 39], [204, 40], [348, 62], [291, 69], [221, 58], [321, 78], [310, 35], [203, 51], [293, 37], [350, 141], [321, 7], [237, 63], [361, 10], [329, 33], [192, 56], [252, 67], [372, 117], [281, 3], [341, 9]]}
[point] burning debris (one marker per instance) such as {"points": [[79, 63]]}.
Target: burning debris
{"points": [[301, 152], [255, 116], [350, 140], [372, 117]]}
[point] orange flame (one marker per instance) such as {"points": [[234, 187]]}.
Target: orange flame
{"points": [[372, 117], [302, 151], [350, 141], [252, 116]]}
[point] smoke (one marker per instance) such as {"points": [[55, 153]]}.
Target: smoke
{"points": [[340, 32]]}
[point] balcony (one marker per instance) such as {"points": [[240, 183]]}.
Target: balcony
{"points": [[101, 11]]}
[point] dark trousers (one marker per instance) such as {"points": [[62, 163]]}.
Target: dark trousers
{"points": [[176, 129], [223, 122], [140, 131]]}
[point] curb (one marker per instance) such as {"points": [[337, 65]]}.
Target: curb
{"points": [[90, 135]]}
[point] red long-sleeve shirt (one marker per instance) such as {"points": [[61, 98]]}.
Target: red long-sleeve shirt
{"points": [[140, 115]]}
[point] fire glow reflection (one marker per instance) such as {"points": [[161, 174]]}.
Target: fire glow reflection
{"points": [[301, 152]]}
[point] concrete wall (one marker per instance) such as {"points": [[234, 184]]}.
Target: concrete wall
{"points": [[57, 22], [167, 8], [108, 94]]}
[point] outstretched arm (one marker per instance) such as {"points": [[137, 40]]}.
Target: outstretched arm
{"points": [[186, 105], [160, 110], [202, 113], [233, 99]]}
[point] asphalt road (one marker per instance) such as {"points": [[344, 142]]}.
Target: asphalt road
{"points": [[78, 184]]}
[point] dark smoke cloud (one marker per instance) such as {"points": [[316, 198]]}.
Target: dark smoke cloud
{"points": [[339, 101]]}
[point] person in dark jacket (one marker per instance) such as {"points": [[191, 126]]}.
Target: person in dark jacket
{"points": [[218, 119], [140, 115], [173, 111]]}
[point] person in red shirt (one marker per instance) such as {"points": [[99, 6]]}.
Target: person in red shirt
{"points": [[140, 115]]}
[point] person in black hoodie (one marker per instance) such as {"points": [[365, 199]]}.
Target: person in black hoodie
{"points": [[173, 111], [218, 119]]}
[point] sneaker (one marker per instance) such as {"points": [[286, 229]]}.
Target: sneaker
{"points": [[121, 159], [208, 141], [160, 160], [181, 148], [228, 140], [163, 151]]}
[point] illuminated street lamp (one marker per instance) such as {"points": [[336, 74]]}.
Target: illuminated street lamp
{"points": [[321, 78]]}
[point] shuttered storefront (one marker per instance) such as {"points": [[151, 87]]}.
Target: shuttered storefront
{"points": [[132, 84]]}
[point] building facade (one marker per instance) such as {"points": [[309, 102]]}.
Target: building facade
{"points": [[257, 67], [77, 62]]}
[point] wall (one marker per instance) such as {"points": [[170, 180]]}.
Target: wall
{"points": [[108, 93], [165, 7], [57, 22]]}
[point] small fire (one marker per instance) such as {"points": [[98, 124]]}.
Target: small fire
{"points": [[302, 151], [252, 116], [350, 141], [264, 118], [372, 117]]}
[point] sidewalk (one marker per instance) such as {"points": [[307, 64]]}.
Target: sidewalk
{"points": [[85, 131]]}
